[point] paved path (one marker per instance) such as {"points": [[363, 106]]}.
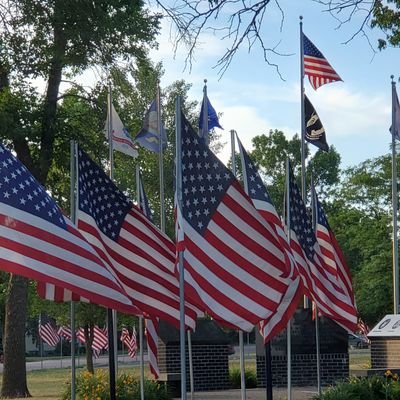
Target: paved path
{"points": [[256, 394]]}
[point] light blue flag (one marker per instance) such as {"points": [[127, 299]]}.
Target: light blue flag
{"points": [[148, 137]]}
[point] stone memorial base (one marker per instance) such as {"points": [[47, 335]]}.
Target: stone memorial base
{"points": [[334, 357]]}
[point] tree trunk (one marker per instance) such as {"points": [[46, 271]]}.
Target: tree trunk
{"points": [[14, 373], [89, 350]]}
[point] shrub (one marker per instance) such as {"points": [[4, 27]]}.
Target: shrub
{"points": [[368, 388], [96, 387], [250, 378]]}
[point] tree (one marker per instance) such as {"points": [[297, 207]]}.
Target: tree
{"points": [[270, 153], [240, 23], [49, 40]]}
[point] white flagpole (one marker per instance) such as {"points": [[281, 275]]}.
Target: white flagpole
{"points": [[61, 354], [205, 132], [303, 129], [288, 326], [111, 314], [141, 362], [178, 121], [394, 203], [73, 204], [241, 342]]}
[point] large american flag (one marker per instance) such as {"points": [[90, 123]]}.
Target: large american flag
{"points": [[328, 294], [37, 241], [48, 331], [255, 188], [142, 257], [316, 66], [233, 263], [336, 266], [151, 324]]}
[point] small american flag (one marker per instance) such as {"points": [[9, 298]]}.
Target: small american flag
{"points": [[129, 341], [48, 331], [255, 188], [328, 294], [65, 332], [100, 338], [233, 266], [37, 241], [316, 66], [142, 257]]}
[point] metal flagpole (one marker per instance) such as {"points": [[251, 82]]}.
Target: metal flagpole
{"points": [[160, 159], [178, 121], [303, 129], [394, 202], [189, 339], [204, 132], [61, 354], [241, 341], [317, 337], [138, 199], [73, 203], [268, 370], [111, 315], [288, 326]]}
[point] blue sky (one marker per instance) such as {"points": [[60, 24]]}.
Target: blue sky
{"points": [[253, 98]]}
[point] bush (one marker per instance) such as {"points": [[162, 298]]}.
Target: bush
{"points": [[96, 387], [250, 378], [369, 388]]}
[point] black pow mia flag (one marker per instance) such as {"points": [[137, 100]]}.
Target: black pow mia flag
{"points": [[315, 132]]}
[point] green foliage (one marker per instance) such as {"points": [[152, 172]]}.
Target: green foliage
{"points": [[96, 386], [366, 388], [235, 378], [386, 16]]}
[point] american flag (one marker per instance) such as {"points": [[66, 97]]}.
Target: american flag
{"points": [[142, 257], [328, 294], [129, 341], [316, 66], [51, 292], [100, 338], [65, 332], [151, 333], [233, 264], [331, 252], [255, 188], [37, 241], [151, 324], [48, 331]]}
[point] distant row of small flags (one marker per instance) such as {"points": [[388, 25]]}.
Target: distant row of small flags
{"points": [[51, 335]]}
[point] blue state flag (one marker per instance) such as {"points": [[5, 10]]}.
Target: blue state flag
{"points": [[149, 137], [213, 121]]}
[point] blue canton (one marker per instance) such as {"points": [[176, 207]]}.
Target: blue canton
{"points": [[300, 221], [144, 202], [19, 189], [205, 179], [321, 217], [255, 185], [100, 198], [310, 49]]}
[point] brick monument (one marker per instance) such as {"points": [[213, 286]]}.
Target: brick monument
{"points": [[334, 356]]}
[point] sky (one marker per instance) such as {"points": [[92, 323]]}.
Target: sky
{"points": [[253, 98]]}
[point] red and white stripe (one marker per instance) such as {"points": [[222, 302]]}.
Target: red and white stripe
{"points": [[234, 270], [37, 249], [100, 338], [319, 71], [65, 332], [151, 333], [143, 260], [48, 291], [331, 299]]}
